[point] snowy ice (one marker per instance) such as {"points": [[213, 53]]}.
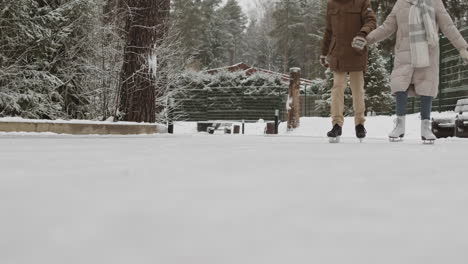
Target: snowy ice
{"points": [[240, 199]]}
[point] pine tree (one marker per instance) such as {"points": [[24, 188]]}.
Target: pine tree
{"points": [[208, 30], [213, 50], [45, 53], [378, 97], [235, 23], [323, 88], [250, 47], [259, 47], [288, 26], [189, 22], [146, 27], [108, 56], [458, 9], [297, 33], [315, 15]]}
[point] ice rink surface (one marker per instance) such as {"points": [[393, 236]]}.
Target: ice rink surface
{"points": [[222, 199]]}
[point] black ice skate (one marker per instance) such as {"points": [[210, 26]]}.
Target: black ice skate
{"points": [[360, 132], [334, 134]]}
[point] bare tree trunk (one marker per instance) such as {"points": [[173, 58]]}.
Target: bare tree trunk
{"points": [[293, 106], [146, 26]]}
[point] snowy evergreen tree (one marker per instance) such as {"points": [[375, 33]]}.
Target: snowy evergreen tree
{"points": [[287, 34], [378, 96], [228, 92], [259, 47], [110, 39], [235, 23], [289, 26], [314, 16], [189, 22], [44, 58], [213, 51], [324, 92], [62, 58], [211, 33], [250, 43]]}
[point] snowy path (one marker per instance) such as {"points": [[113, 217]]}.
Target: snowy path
{"points": [[231, 199]]}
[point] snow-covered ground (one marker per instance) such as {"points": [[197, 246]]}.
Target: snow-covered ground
{"points": [[377, 127], [240, 199], [73, 121]]}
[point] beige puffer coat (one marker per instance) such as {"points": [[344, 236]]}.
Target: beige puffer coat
{"points": [[425, 80]]}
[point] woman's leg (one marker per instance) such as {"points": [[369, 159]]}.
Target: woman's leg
{"points": [[401, 102], [426, 107], [426, 130], [398, 131]]}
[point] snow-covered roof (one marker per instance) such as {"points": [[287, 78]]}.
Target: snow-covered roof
{"points": [[251, 70]]}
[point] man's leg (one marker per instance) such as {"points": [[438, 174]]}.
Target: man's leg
{"points": [[337, 93], [359, 105]]}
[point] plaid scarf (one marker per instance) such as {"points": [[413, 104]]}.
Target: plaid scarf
{"points": [[422, 31]]}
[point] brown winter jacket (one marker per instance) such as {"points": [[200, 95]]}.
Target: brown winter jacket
{"points": [[347, 19]]}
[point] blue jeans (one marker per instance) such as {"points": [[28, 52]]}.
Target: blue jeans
{"points": [[402, 101]]}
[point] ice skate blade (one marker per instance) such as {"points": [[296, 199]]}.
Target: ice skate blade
{"points": [[427, 141], [334, 140], [361, 140], [395, 139]]}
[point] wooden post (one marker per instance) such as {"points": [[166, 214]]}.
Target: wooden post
{"points": [[270, 128], [170, 122], [293, 103], [276, 121]]}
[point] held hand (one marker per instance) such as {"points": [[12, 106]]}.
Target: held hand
{"points": [[359, 43], [464, 55], [324, 61]]}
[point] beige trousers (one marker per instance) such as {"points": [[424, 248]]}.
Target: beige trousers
{"points": [[357, 88]]}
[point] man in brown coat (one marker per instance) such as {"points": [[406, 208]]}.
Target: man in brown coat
{"points": [[344, 51]]}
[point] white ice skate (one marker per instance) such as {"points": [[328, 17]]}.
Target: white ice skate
{"points": [[399, 130], [426, 132], [334, 140]]}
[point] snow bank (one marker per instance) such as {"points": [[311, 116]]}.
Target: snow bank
{"points": [[377, 126], [73, 121]]}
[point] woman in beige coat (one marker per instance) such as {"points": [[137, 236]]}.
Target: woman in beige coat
{"points": [[416, 66]]}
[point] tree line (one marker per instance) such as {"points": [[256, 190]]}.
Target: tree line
{"points": [[121, 59]]}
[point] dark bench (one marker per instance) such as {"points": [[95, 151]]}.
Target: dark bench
{"points": [[461, 123], [212, 126], [453, 127]]}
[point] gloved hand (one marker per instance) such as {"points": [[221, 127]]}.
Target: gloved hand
{"points": [[464, 55], [324, 61], [359, 43]]}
